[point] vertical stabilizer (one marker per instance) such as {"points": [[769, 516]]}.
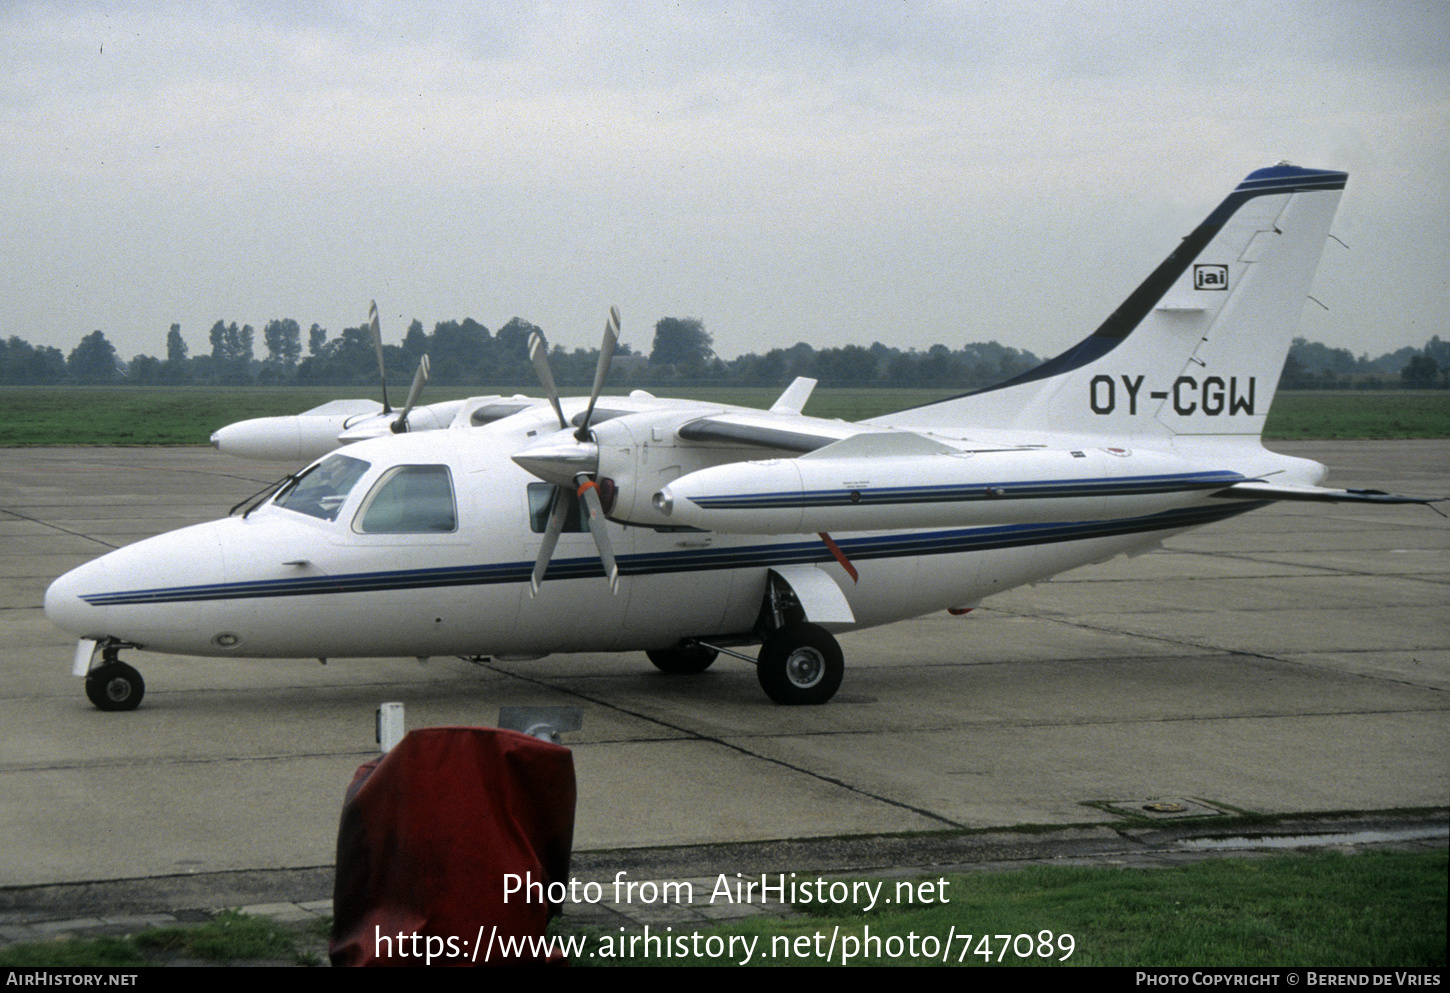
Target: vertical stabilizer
{"points": [[1197, 349]]}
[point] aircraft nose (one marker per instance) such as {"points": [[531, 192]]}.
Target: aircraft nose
{"points": [[64, 606], [123, 594]]}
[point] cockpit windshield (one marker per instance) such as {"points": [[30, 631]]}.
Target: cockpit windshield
{"points": [[322, 490]]}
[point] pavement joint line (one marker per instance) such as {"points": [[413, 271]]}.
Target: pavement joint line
{"points": [[57, 527], [716, 740]]}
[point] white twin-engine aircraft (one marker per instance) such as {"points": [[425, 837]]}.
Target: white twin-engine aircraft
{"points": [[686, 529]]}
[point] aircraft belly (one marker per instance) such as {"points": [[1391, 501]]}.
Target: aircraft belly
{"points": [[1002, 570]]}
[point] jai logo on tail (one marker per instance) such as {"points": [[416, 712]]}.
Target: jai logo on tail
{"points": [[1210, 277]]}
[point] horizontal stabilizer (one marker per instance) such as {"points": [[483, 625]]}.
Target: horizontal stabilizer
{"points": [[1258, 490]]}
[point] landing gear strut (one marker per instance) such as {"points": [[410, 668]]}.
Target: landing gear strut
{"points": [[114, 685]]}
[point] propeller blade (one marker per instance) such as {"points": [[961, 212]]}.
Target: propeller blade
{"points": [[589, 493], [420, 378], [551, 538], [539, 356], [606, 355], [378, 346]]}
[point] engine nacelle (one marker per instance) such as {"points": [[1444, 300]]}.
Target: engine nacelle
{"points": [[641, 453], [295, 438], [313, 433]]}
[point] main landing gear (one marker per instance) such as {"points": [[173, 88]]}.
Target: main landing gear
{"points": [[799, 664], [114, 685]]}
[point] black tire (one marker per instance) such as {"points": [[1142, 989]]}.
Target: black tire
{"points": [[115, 686], [800, 664], [682, 661]]}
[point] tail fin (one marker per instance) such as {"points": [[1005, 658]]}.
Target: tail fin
{"points": [[1197, 349]]}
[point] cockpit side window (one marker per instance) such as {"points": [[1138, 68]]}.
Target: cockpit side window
{"points": [[321, 490], [541, 505], [410, 499]]}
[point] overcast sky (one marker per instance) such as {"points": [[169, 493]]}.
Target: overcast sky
{"points": [[908, 172]]}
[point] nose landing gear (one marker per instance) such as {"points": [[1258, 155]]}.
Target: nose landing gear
{"points": [[114, 685]]}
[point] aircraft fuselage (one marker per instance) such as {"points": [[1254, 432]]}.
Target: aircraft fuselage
{"points": [[282, 583]]}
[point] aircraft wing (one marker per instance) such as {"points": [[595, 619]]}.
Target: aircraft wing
{"points": [[347, 408], [792, 433]]}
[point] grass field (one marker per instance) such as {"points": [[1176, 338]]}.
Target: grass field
{"points": [[1322, 909], [1360, 414], [97, 415]]}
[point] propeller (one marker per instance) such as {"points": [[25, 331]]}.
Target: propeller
{"points": [[572, 465], [420, 378]]}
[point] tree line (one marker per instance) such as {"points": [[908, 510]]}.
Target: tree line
{"points": [[1311, 365], [466, 353]]}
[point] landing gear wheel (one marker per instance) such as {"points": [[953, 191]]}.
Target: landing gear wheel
{"points": [[115, 686], [800, 664], [682, 661]]}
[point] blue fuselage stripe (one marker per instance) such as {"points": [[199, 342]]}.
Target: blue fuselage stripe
{"points": [[894, 545]]}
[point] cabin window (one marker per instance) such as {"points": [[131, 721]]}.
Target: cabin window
{"points": [[541, 504], [410, 499], [322, 490]]}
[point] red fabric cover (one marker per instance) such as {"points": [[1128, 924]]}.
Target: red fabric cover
{"points": [[428, 832]]}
